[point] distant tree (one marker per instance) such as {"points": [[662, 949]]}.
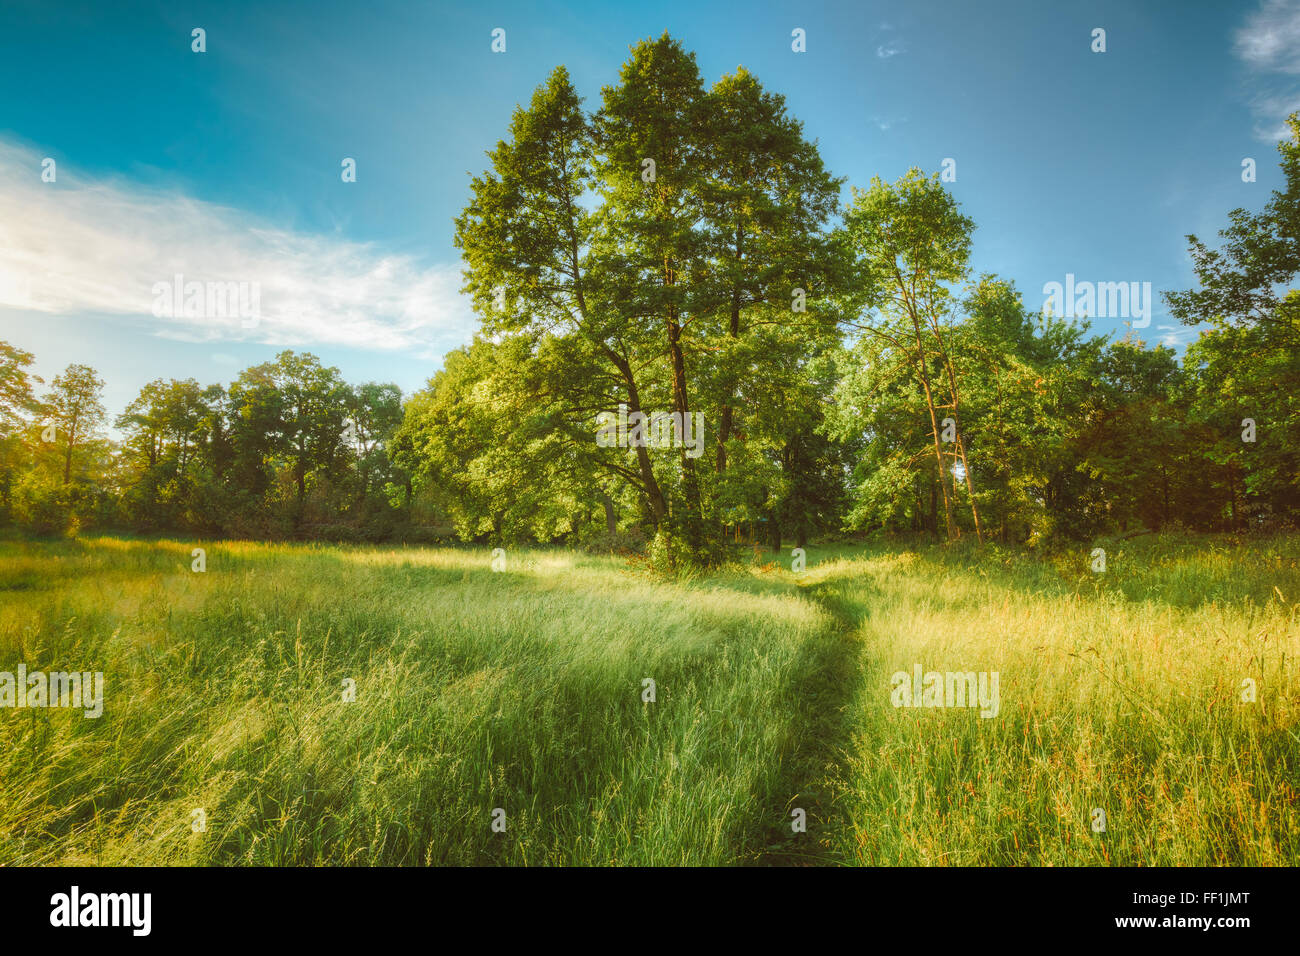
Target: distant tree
{"points": [[74, 408], [912, 244], [374, 413], [1028, 379], [290, 412], [18, 406], [494, 452], [18, 402], [1130, 437], [168, 429]]}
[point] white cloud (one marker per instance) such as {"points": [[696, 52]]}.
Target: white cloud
{"points": [[889, 49], [80, 246], [1177, 336], [1269, 44], [1270, 40]]}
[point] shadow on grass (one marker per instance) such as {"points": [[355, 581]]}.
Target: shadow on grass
{"points": [[820, 691]]}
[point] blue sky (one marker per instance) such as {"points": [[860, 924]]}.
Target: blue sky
{"points": [[226, 164]]}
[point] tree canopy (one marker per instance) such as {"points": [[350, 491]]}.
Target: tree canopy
{"points": [[688, 338]]}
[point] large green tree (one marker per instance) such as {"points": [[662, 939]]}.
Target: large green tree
{"points": [[75, 412], [667, 247]]}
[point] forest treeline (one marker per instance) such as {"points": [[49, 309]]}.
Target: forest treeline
{"points": [[682, 250]]}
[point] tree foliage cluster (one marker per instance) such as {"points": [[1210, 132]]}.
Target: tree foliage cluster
{"points": [[681, 249], [286, 450]]}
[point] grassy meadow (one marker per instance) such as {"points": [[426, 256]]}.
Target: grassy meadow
{"points": [[522, 690]]}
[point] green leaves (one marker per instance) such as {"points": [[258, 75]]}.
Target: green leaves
{"points": [[912, 227], [1260, 252], [649, 254]]}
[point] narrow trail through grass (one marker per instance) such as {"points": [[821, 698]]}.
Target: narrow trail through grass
{"points": [[823, 686]]}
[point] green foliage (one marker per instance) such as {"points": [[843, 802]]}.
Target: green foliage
{"points": [[44, 506], [680, 249], [648, 255]]}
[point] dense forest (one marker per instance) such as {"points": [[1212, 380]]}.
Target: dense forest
{"points": [[681, 254]]}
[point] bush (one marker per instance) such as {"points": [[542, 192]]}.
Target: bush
{"points": [[631, 541], [44, 506]]}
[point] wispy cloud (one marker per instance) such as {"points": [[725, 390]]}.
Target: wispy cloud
{"points": [[1271, 111], [83, 246], [1270, 40], [1269, 44], [1177, 336], [889, 49]]}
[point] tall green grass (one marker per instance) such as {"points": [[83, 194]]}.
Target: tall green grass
{"points": [[475, 690], [1120, 691], [522, 690]]}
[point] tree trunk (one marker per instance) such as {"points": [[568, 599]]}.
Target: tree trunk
{"points": [[949, 524], [965, 469], [933, 524], [611, 517], [956, 417], [1232, 491], [692, 520], [725, 417], [924, 375], [67, 454], [654, 495], [1164, 484]]}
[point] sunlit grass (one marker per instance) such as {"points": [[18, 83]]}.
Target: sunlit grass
{"points": [[1119, 691], [475, 690], [522, 690]]}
